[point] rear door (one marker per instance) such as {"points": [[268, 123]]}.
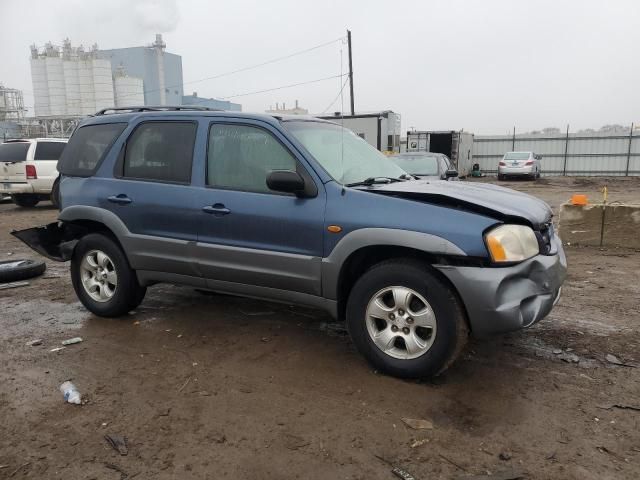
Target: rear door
{"points": [[45, 158], [13, 157], [153, 196], [248, 234]]}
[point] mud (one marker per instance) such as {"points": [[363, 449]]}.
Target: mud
{"points": [[212, 386]]}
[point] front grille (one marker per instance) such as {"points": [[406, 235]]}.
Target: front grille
{"points": [[544, 236]]}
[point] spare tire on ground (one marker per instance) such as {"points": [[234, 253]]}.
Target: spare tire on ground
{"points": [[12, 270]]}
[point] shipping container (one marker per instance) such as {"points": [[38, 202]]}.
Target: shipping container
{"points": [[457, 145], [379, 129]]}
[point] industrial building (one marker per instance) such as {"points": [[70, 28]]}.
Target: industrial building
{"points": [[283, 110], [195, 100], [12, 112], [160, 71]]}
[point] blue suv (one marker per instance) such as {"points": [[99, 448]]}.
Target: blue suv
{"points": [[298, 210]]}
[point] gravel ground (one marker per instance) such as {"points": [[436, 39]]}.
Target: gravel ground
{"points": [[213, 386]]}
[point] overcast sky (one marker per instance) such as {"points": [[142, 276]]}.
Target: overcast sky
{"points": [[484, 66]]}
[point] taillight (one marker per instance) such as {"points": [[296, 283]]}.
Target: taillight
{"points": [[31, 172], [530, 162], [502, 164]]}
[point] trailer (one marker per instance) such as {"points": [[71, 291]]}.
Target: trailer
{"points": [[457, 145], [380, 129]]}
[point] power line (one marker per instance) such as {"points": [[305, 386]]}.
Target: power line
{"points": [[337, 96], [283, 87]]}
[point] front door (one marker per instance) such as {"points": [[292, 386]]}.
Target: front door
{"points": [[249, 235]]}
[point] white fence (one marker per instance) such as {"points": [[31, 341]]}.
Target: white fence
{"points": [[565, 154]]}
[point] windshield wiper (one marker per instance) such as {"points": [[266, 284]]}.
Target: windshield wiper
{"points": [[375, 181]]}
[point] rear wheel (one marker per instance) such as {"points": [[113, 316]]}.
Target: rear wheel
{"points": [[25, 200], [500, 177], [405, 320], [55, 193], [102, 278]]}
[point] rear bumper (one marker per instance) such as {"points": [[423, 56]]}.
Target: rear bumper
{"points": [[528, 170], [9, 188], [503, 299]]}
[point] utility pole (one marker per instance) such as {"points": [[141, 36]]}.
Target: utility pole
{"points": [[353, 112]]}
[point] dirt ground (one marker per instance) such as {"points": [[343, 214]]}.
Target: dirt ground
{"points": [[212, 386]]}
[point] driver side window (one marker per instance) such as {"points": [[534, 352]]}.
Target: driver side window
{"points": [[240, 157]]}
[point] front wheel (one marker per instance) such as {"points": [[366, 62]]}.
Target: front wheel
{"points": [[405, 320], [102, 278]]}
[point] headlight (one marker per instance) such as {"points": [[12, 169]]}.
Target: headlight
{"points": [[511, 243]]}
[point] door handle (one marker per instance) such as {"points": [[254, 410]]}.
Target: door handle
{"points": [[121, 199], [217, 209]]}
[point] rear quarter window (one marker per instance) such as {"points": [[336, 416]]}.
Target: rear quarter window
{"points": [[14, 152], [49, 150], [87, 147]]}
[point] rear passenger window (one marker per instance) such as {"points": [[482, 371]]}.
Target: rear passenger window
{"points": [[49, 150], [86, 148], [161, 151], [241, 157]]}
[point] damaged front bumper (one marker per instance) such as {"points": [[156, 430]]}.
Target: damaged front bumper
{"points": [[55, 241], [503, 299]]}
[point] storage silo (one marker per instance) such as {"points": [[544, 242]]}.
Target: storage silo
{"points": [[85, 83], [72, 86], [102, 83], [39, 82], [55, 83], [129, 91]]}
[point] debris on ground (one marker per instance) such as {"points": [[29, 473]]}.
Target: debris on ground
{"points": [[453, 463], [5, 286], [616, 361], [417, 424], [402, 473], [70, 393], [419, 443], [557, 351], [620, 406], [57, 349], [72, 341], [504, 456], [569, 357], [395, 470], [118, 443], [34, 343]]}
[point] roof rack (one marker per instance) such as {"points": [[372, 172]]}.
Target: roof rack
{"points": [[149, 108]]}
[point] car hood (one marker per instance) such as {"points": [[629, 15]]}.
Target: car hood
{"points": [[492, 200]]}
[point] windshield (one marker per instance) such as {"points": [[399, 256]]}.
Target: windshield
{"points": [[344, 155], [418, 164], [516, 156]]}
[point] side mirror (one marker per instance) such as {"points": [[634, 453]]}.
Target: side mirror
{"points": [[286, 181], [451, 173]]}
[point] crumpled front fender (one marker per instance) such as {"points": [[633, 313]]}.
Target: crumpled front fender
{"points": [[55, 241]]}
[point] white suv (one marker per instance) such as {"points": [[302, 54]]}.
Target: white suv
{"points": [[28, 169]]}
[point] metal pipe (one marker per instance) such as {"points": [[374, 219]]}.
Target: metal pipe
{"points": [[566, 149], [626, 173], [513, 139]]}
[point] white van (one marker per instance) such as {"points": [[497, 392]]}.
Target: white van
{"points": [[28, 169]]}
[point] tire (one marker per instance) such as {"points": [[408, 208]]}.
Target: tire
{"points": [[55, 193], [25, 200], [102, 278], [14, 270], [441, 345]]}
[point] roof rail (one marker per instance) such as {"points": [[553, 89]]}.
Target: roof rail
{"points": [[153, 108]]}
